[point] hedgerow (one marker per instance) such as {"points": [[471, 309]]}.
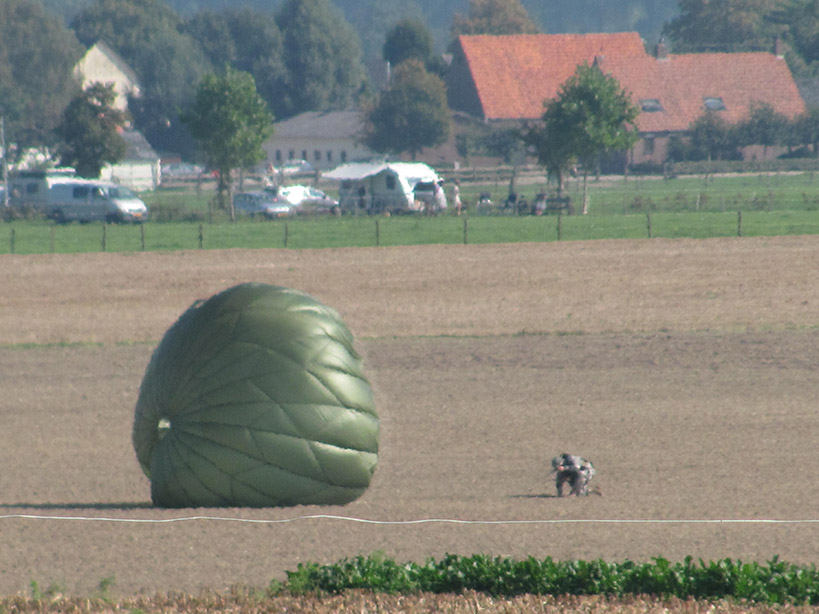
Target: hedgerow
{"points": [[776, 582]]}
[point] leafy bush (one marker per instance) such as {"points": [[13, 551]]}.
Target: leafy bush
{"points": [[777, 582], [26, 212]]}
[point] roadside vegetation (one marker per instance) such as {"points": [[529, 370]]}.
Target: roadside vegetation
{"points": [[479, 583]]}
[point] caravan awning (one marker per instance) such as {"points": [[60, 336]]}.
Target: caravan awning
{"points": [[413, 172]]}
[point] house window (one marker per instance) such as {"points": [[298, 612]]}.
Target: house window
{"points": [[713, 103], [303, 154], [648, 145], [651, 105], [343, 156], [329, 156], [390, 182], [278, 155], [317, 155], [291, 155]]}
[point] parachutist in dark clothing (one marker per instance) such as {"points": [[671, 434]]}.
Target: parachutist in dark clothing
{"points": [[575, 470]]}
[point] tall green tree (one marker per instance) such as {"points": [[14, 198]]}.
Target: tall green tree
{"points": [[801, 18], [805, 130], [591, 116], [712, 138], [146, 34], [411, 115], [724, 25], [764, 126], [494, 17], [408, 39], [229, 121], [245, 40], [373, 19], [90, 131], [322, 57], [37, 55]]}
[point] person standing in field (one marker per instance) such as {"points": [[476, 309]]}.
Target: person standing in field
{"points": [[456, 197]]}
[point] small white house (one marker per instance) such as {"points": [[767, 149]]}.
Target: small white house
{"points": [[101, 64], [140, 169], [380, 186]]}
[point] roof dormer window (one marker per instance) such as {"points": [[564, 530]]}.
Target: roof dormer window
{"points": [[651, 105], [713, 103]]}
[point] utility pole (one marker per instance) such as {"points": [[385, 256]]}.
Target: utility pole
{"points": [[5, 162]]}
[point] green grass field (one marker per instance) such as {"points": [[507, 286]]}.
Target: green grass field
{"points": [[633, 208]]}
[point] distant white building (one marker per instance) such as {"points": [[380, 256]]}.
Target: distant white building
{"points": [[324, 139], [140, 168], [101, 64]]}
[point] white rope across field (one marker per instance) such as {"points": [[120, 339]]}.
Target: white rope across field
{"points": [[412, 522]]}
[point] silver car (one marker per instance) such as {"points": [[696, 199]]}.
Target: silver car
{"points": [[267, 202], [310, 200]]}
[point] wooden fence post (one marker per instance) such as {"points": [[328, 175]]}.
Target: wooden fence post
{"points": [[142, 236], [377, 233], [11, 241], [648, 224], [739, 223], [201, 235], [52, 240], [286, 233], [559, 225], [104, 236], [466, 231]]}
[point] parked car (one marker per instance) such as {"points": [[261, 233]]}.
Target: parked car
{"points": [[181, 169], [310, 200], [267, 202], [297, 167]]}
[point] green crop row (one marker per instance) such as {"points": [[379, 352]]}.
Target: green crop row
{"points": [[776, 582]]}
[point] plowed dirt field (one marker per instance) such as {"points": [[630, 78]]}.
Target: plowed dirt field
{"points": [[687, 371]]}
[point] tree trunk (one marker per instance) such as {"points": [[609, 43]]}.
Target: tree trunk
{"points": [[229, 185], [585, 191]]}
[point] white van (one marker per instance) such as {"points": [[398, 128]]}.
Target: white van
{"points": [[65, 198]]}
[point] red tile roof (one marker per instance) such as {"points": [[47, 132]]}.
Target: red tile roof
{"points": [[513, 75], [682, 82]]}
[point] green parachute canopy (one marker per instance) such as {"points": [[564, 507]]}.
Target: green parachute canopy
{"points": [[256, 397]]}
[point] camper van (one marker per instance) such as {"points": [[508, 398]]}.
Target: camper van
{"points": [[381, 187], [66, 198]]}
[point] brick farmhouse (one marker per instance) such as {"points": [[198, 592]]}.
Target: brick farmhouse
{"points": [[500, 79]]}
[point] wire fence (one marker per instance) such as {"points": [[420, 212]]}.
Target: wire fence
{"points": [[33, 238]]}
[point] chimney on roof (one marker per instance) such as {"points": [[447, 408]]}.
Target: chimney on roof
{"points": [[661, 51], [779, 47], [598, 61]]}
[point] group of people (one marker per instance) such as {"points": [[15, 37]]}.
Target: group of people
{"points": [[438, 203]]}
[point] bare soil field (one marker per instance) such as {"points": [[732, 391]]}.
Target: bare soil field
{"points": [[685, 370]]}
